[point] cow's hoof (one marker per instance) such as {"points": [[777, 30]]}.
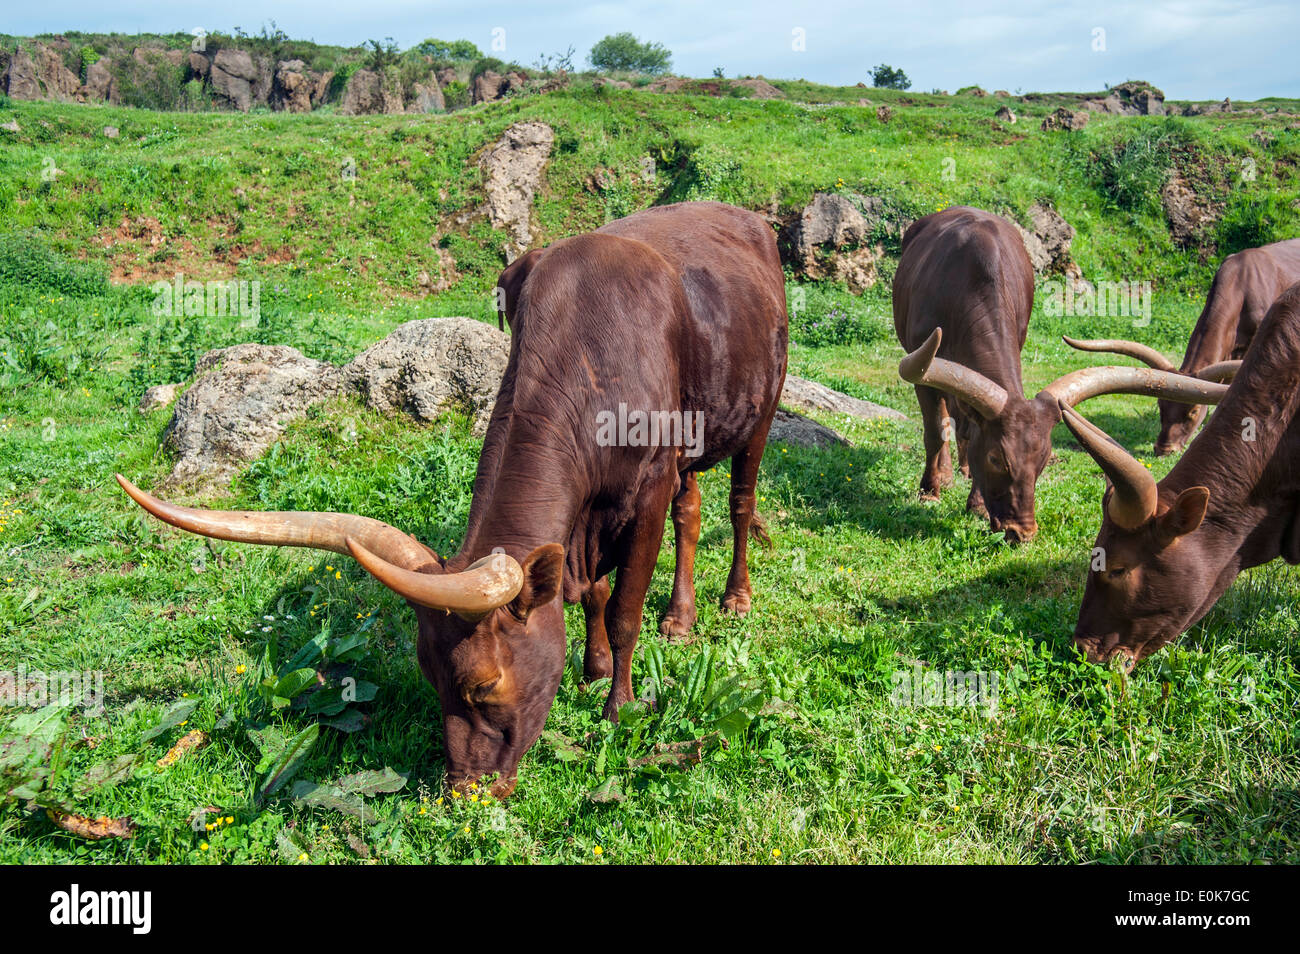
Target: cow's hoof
{"points": [[676, 627], [929, 496], [737, 604], [615, 702]]}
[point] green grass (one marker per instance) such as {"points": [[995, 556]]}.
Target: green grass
{"points": [[1191, 759]]}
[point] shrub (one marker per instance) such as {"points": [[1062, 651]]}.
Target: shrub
{"points": [[26, 260], [453, 51], [624, 53], [1252, 221]]}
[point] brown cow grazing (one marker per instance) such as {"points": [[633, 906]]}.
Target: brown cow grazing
{"points": [[963, 294], [643, 353], [1168, 550], [1244, 288]]}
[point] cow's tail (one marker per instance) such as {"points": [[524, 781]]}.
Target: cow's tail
{"points": [[758, 530]]}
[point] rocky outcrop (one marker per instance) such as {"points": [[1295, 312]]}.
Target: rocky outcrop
{"points": [[1005, 115], [232, 75], [292, 88], [1065, 119], [100, 85], [1048, 241], [245, 396], [488, 86], [367, 93], [761, 88], [38, 73], [427, 98], [829, 239], [513, 171], [1189, 215]]}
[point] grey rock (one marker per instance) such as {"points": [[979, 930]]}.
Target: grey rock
{"points": [[429, 366], [1066, 119], [242, 400], [805, 395], [428, 99], [232, 76], [160, 395], [513, 168], [791, 428]]}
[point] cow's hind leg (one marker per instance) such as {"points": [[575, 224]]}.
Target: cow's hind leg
{"points": [[596, 662], [679, 619], [623, 612], [737, 598], [938, 460]]}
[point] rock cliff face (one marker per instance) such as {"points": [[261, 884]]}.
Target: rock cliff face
{"points": [[233, 79]]}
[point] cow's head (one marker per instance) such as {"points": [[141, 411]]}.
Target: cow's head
{"points": [[1149, 574], [1178, 423], [491, 631], [1012, 440]]}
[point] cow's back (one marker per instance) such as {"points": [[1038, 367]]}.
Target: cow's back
{"points": [[966, 271], [1244, 288], [732, 346]]}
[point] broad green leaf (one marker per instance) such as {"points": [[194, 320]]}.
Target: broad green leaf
{"points": [[371, 782], [290, 761]]}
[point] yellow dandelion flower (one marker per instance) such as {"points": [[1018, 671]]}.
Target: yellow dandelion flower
{"points": [[203, 846], [598, 851], [776, 852]]}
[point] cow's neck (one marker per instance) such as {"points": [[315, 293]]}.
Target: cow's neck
{"points": [[1215, 333], [529, 482]]}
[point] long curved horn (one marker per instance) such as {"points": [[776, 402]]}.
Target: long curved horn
{"points": [[1133, 502], [320, 531], [1144, 353], [922, 367], [1222, 371], [1086, 383], [472, 593]]}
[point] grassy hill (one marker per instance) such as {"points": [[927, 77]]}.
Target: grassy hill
{"points": [[1191, 759]]}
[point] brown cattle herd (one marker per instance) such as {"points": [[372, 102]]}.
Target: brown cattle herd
{"points": [[679, 314]]}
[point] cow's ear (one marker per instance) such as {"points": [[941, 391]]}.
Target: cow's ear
{"points": [[1185, 515], [543, 577]]}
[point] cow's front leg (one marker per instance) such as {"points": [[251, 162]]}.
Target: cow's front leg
{"points": [[679, 619], [937, 429], [627, 603], [596, 662]]}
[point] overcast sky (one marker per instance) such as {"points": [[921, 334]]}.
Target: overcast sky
{"points": [[1197, 49]]}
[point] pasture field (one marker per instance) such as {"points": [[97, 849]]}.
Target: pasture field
{"points": [[805, 755]]}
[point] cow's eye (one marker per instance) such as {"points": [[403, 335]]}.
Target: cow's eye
{"points": [[1116, 573], [483, 690]]}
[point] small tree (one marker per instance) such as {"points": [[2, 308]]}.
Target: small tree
{"points": [[449, 51], [381, 55], [886, 77], [624, 53]]}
